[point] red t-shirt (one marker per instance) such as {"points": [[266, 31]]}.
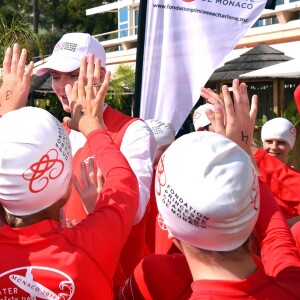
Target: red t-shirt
{"points": [[296, 234], [282, 180], [280, 260], [257, 286], [159, 277], [277, 276], [45, 259]]}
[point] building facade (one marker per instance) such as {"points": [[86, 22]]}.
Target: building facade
{"points": [[279, 28]]}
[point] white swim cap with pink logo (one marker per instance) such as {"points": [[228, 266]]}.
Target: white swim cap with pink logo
{"points": [[207, 191], [35, 161], [200, 120], [280, 129]]}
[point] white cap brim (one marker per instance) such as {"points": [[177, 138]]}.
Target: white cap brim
{"points": [[60, 64]]}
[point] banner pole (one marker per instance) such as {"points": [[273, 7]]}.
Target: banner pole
{"points": [[139, 57]]}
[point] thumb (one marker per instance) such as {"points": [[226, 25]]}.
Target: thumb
{"points": [[68, 120]]}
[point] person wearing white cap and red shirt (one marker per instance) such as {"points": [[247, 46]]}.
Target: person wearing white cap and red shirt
{"points": [[131, 135], [200, 120], [279, 176], [278, 136], [39, 258], [211, 201], [164, 135]]}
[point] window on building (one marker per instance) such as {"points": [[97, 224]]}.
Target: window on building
{"points": [[136, 19], [123, 22], [123, 30], [266, 21]]}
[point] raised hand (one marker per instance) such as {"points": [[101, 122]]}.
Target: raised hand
{"points": [[86, 103], [16, 80], [233, 118], [91, 185]]}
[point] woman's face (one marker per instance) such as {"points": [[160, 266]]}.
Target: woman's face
{"points": [[61, 79], [59, 82], [277, 148]]}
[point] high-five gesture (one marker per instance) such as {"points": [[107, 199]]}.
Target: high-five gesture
{"points": [[234, 118], [16, 80], [87, 104]]}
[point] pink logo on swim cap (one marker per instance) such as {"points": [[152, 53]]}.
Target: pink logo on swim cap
{"points": [[49, 167], [160, 176]]}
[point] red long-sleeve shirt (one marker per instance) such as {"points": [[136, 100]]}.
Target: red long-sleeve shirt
{"points": [[49, 262], [282, 180], [276, 278]]}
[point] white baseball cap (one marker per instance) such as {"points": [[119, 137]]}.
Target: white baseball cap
{"points": [[281, 129], [207, 191], [163, 132], [35, 161], [69, 51], [200, 119]]}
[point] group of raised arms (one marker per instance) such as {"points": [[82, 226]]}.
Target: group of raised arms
{"points": [[107, 206]]}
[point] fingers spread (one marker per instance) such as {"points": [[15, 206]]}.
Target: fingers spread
{"points": [[7, 61], [15, 58]]}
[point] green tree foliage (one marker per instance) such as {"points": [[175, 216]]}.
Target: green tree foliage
{"points": [[17, 31], [92, 24], [121, 89], [16, 9], [60, 15], [51, 103], [56, 17], [70, 16]]}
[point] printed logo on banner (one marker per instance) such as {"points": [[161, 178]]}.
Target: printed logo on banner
{"points": [[33, 282]]}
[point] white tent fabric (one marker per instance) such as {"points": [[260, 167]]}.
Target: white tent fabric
{"points": [[288, 69]]}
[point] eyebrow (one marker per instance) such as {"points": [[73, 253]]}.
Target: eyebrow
{"points": [[76, 72]]}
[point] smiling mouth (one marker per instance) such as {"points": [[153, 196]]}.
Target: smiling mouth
{"points": [[273, 154]]}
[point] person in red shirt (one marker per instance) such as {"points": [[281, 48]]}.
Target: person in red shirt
{"points": [[155, 237], [216, 210], [39, 258], [132, 136], [278, 175], [278, 136]]}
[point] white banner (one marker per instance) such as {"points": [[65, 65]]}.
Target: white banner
{"points": [[185, 41]]}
